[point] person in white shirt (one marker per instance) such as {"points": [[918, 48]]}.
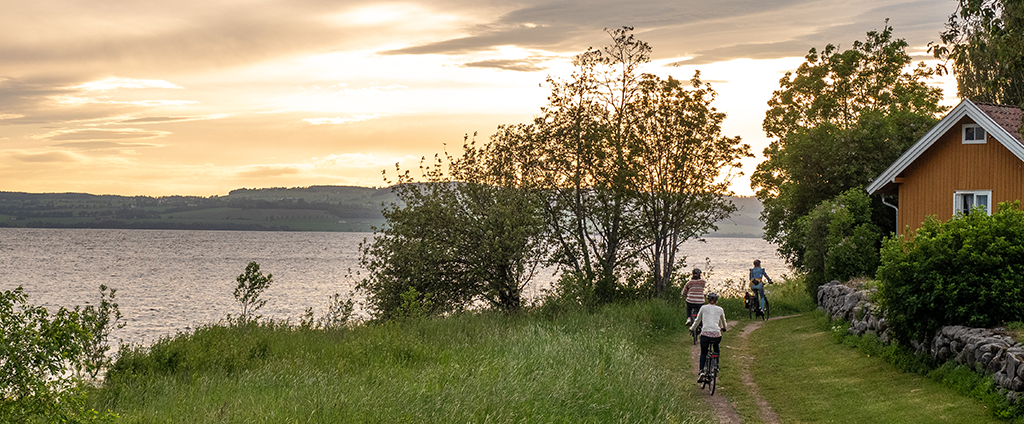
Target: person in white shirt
{"points": [[713, 317]]}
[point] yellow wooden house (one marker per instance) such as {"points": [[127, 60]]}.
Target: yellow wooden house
{"points": [[973, 157]]}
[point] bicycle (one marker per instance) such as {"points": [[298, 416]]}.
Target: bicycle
{"points": [[753, 307], [696, 332], [710, 372]]}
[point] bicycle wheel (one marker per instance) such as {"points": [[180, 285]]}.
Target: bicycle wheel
{"points": [[766, 309], [713, 375]]}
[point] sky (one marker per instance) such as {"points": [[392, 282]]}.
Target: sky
{"points": [[189, 97]]}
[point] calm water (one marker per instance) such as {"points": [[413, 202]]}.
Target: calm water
{"points": [[169, 281]]}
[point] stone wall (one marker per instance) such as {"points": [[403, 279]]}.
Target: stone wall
{"points": [[990, 351]]}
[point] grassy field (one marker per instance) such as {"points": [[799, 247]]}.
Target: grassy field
{"points": [[807, 377], [622, 363], [576, 367]]}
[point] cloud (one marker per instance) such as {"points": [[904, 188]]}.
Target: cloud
{"points": [[268, 171], [103, 134], [115, 83], [173, 119], [44, 157], [520, 65], [103, 145], [341, 120], [360, 160]]}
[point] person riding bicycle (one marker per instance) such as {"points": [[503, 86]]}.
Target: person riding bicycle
{"points": [[713, 318], [757, 278], [693, 292]]}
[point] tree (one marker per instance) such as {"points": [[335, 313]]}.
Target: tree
{"points": [[471, 234], [251, 284], [628, 165], [685, 168], [985, 40], [838, 122], [841, 242]]}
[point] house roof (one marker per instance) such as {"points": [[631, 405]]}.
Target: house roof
{"points": [[1001, 122]]}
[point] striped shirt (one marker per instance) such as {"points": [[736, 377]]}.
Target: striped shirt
{"points": [[693, 291]]}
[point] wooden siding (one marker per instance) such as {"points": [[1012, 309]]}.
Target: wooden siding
{"points": [[947, 166]]}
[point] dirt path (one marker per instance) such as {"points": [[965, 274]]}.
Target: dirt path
{"points": [[724, 410]]}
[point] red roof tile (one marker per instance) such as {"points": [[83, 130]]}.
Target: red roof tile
{"points": [[1008, 117]]}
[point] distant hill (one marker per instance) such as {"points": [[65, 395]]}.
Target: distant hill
{"points": [[316, 208]]}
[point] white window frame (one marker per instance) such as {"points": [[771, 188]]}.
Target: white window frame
{"points": [[959, 195], [963, 134]]}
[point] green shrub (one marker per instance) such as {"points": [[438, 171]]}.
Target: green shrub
{"points": [[789, 296], [966, 271], [841, 242], [45, 358]]}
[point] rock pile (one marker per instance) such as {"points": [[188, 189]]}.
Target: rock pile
{"points": [[855, 306], [985, 350]]}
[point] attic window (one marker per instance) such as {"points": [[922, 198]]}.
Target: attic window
{"points": [[973, 134], [964, 201]]}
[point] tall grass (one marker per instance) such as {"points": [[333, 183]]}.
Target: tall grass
{"points": [[576, 367]]}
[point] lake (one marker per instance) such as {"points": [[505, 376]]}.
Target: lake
{"points": [[171, 280]]}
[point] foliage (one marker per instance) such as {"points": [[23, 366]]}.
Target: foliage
{"points": [[340, 311], [251, 284], [473, 234], [629, 166], [841, 240], [966, 271], [984, 39], [788, 296], [679, 187], [235, 347], [837, 122], [44, 357]]}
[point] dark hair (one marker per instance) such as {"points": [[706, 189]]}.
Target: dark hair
{"points": [[757, 262], [696, 273]]}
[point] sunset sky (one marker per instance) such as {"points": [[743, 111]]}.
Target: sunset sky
{"points": [[201, 97]]}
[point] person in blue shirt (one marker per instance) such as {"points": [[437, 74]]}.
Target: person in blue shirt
{"points": [[757, 278]]}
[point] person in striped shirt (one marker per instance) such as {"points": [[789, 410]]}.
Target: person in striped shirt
{"points": [[693, 292]]}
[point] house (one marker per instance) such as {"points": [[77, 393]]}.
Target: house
{"points": [[974, 156]]}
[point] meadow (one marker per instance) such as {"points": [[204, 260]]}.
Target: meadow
{"points": [[619, 363]]}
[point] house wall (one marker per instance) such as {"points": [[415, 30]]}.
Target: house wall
{"points": [[948, 166]]}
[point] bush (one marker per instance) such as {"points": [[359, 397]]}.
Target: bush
{"points": [[966, 271], [840, 239], [45, 358]]}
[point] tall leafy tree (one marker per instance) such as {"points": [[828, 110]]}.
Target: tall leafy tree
{"points": [[985, 40], [467, 233], [838, 121], [629, 166], [686, 168]]}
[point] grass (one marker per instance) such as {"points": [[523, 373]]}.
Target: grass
{"points": [[807, 377], [1016, 330], [577, 367]]}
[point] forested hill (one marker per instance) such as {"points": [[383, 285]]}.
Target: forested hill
{"points": [[316, 208]]}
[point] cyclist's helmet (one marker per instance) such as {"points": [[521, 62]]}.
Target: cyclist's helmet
{"points": [[712, 297], [696, 273]]}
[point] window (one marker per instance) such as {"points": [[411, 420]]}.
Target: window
{"points": [[963, 201], [973, 134]]}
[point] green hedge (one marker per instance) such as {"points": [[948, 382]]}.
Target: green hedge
{"points": [[966, 271]]}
